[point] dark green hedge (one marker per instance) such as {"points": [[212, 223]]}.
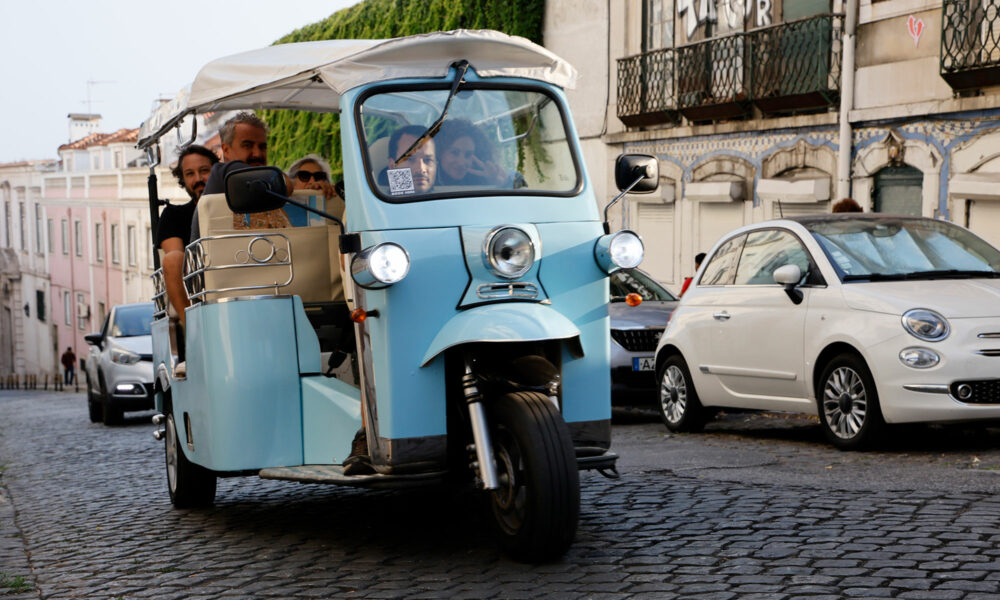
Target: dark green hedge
{"points": [[294, 134]]}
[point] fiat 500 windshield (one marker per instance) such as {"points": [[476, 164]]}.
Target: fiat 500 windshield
{"points": [[900, 249], [492, 142]]}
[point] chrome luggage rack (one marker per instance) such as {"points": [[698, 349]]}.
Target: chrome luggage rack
{"points": [[262, 250], [159, 294]]}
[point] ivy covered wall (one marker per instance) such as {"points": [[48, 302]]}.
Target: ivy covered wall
{"points": [[294, 134]]}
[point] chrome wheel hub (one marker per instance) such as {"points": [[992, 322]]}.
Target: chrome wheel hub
{"points": [[673, 394], [845, 402]]}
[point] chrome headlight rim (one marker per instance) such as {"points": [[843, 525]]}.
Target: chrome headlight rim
{"points": [[493, 262], [917, 314], [611, 260], [365, 276]]}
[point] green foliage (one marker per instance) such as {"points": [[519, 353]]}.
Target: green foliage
{"points": [[295, 133], [16, 583]]}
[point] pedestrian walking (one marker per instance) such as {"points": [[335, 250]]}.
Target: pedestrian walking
{"points": [[69, 365]]}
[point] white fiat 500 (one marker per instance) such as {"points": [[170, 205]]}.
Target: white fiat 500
{"points": [[862, 319]]}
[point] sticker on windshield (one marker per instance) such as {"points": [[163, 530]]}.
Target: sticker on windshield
{"points": [[400, 181]]}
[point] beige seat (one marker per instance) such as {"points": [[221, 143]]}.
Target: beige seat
{"points": [[314, 273]]}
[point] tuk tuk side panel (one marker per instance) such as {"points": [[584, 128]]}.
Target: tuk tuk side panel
{"points": [[331, 414], [410, 399], [162, 360], [578, 289], [242, 392], [365, 211]]}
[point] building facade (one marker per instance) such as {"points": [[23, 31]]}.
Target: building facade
{"points": [[763, 108], [27, 342]]}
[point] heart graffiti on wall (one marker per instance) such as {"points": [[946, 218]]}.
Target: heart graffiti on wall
{"points": [[916, 27]]}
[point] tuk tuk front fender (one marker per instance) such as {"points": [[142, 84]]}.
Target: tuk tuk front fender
{"points": [[505, 322]]}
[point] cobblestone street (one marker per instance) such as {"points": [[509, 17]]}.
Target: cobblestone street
{"points": [[752, 509]]}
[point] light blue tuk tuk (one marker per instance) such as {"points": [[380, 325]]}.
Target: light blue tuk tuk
{"points": [[460, 319]]}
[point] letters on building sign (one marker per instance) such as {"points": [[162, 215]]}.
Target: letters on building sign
{"points": [[696, 13]]}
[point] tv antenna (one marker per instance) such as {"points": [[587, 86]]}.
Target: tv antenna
{"points": [[91, 83]]}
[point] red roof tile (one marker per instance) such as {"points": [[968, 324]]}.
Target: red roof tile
{"points": [[103, 139]]}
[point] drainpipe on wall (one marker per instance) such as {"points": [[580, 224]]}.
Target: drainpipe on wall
{"points": [[847, 100]]}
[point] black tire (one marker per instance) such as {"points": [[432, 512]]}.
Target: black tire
{"points": [[94, 408], [109, 414], [847, 402], [536, 509], [189, 485], [678, 405]]}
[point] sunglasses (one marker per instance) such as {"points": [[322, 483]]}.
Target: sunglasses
{"points": [[305, 176]]}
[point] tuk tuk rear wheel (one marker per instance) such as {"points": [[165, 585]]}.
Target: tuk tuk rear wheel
{"points": [[537, 506], [190, 485]]}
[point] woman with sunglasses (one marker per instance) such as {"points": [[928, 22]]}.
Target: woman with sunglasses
{"points": [[311, 172]]}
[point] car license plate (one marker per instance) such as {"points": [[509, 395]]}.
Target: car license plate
{"points": [[644, 363]]}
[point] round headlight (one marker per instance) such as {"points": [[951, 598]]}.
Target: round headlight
{"points": [[919, 358], [509, 252], [626, 249], [380, 265], [926, 325]]}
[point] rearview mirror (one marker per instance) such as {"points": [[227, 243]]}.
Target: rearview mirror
{"points": [[94, 339], [630, 167], [255, 189], [790, 276]]}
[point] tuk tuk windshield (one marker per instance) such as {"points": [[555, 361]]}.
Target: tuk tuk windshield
{"points": [[492, 142]]}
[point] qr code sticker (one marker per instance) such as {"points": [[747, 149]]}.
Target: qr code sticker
{"points": [[400, 181]]}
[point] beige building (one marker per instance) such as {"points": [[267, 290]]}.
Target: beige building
{"points": [[761, 108]]}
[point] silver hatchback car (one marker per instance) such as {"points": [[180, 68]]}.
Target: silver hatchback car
{"points": [[120, 364], [635, 331]]}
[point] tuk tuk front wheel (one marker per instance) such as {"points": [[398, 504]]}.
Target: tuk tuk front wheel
{"points": [[190, 485], [537, 506]]}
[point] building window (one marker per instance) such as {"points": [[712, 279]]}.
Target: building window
{"points": [[52, 236], [6, 223], [114, 244], [130, 239], [81, 311], [102, 312], [22, 217], [68, 308], [39, 234], [118, 159], [78, 238], [95, 162], [659, 20], [40, 304], [149, 248], [99, 241], [65, 236]]}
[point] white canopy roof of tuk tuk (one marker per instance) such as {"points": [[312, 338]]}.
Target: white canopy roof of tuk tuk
{"points": [[313, 75]]}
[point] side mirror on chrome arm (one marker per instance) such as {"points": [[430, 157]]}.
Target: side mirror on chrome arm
{"points": [[260, 189], [790, 276], [634, 173]]}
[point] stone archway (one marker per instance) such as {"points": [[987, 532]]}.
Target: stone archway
{"points": [[894, 150]]}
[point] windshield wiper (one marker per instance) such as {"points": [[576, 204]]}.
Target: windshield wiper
{"points": [[461, 67], [951, 274], [918, 275]]}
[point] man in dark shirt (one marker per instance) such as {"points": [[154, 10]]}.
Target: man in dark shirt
{"points": [[173, 232]]}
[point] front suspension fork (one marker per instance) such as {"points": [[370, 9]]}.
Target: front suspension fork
{"points": [[485, 467]]}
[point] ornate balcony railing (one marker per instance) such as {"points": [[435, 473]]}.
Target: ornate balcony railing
{"points": [[646, 88], [796, 65], [712, 78], [782, 68], [970, 43]]}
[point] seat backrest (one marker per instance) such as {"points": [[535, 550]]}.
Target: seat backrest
{"points": [[314, 251]]}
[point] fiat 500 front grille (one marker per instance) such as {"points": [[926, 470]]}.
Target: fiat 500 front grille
{"points": [[983, 391], [637, 340]]}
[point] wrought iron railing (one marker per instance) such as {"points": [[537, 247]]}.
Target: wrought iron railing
{"points": [[787, 67], [646, 88], [711, 78], [796, 65], [970, 43]]}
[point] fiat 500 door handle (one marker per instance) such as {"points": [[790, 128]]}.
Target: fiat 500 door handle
{"points": [[722, 316]]}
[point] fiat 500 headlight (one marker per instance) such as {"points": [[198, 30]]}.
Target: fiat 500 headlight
{"points": [[926, 325], [620, 250], [380, 265], [508, 252]]}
